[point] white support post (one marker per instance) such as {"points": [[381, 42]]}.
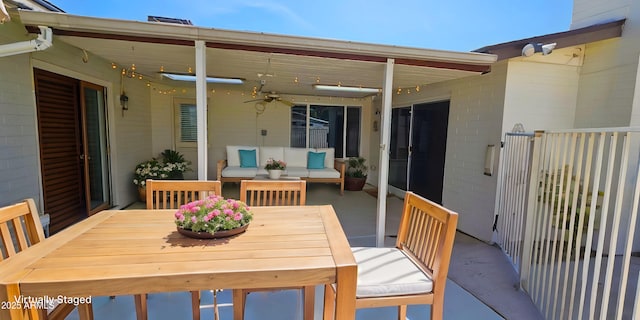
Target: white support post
{"points": [[201, 107], [383, 177]]}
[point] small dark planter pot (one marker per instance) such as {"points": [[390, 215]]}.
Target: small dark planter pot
{"points": [[354, 184]]}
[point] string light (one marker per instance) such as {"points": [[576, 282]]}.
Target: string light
{"points": [[131, 73]]}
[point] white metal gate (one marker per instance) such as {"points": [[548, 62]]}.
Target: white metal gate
{"points": [[580, 224], [512, 194]]}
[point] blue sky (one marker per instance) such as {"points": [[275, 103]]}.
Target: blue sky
{"points": [[461, 25]]}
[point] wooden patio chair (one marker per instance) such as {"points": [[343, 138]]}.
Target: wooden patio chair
{"points": [[20, 228], [171, 194], [415, 271], [273, 193]]}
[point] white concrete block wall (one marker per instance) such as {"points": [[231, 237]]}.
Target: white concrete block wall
{"points": [[607, 83], [608, 77], [19, 166], [18, 131], [540, 96], [475, 121]]}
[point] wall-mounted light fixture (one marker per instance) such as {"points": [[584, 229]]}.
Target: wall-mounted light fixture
{"points": [[531, 48], [341, 88], [124, 101]]}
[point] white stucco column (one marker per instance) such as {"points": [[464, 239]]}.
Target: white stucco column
{"points": [[201, 107], [385, 139]]}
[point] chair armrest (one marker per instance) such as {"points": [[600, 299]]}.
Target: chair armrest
{"points": [[340, 166], [221, 165]]}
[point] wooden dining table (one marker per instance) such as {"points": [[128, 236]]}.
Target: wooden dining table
{"points": [[126, 252]]}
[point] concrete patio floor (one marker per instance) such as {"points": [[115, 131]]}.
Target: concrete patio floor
{"points": [[482, 283]]}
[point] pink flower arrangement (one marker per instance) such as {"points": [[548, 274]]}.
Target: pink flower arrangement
{"points": [[214, 213], [275, 164]]}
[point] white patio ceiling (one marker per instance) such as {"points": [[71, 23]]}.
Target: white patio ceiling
{"points": [[151, 46]]}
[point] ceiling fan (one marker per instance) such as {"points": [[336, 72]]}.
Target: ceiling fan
{"points": [[270, 97]]}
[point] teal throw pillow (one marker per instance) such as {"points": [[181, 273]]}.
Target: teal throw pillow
{"points": [[248, 159], [315, 160]]}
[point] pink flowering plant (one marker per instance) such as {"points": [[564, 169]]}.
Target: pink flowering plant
{"points": [[275, 164], [214, 213]]}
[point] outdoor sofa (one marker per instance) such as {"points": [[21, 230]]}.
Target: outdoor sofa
{"points": [[310, 164]]}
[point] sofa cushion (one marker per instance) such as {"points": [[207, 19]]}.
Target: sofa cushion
{"points": [[330, 156], [297, 171], [324, 173], [296, 157], [239, 172], [233, 156], [315, 160], [248, 158], [275, 153], [388, 272]]}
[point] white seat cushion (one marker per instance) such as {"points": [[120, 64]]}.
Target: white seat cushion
{"points": [[324, 173], [388, 272], [297, 171], [239, 172]]}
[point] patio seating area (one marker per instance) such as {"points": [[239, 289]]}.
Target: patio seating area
{"points": [[475, 266]]}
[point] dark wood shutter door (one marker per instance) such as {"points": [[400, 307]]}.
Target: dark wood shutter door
{"points": [[57, 99]]}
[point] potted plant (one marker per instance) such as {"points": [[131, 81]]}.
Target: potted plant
{"points": [[356, 175], [174, 164], [150, 169], [171, 166], [275, 168]]}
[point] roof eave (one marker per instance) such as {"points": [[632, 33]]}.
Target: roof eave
{"points": [[130, 28], [597, 32]]}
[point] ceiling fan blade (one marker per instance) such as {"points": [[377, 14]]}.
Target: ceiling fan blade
{"points": [[287, 102], [254, 100]]}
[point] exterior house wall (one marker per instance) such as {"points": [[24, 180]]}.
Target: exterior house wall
{"points": [[588, 12], [18, 130], [608, 78], [17, 105], [540, 96], [607, 83], [475, 120], [233, 122]]}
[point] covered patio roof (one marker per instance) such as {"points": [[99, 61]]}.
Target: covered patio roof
{"points": [[289, 64]]}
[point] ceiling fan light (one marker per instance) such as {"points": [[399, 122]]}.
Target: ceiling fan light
{"points": [[342, 88]]}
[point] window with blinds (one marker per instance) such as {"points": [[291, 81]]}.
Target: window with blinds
{"points": [[188, 125]]}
